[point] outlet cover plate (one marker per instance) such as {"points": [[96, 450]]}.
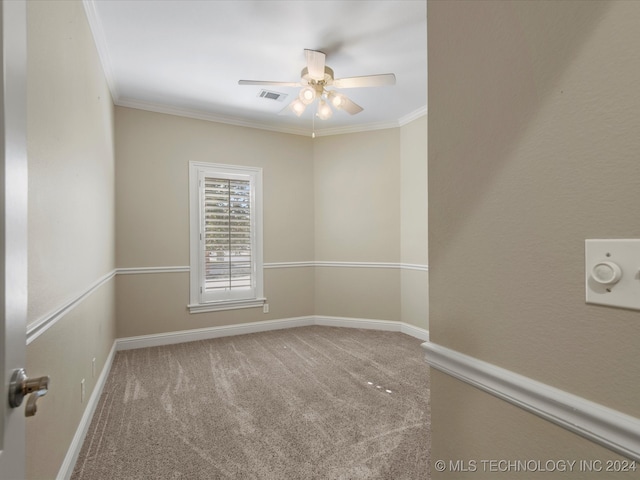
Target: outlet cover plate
{"points": [[626, 254]]}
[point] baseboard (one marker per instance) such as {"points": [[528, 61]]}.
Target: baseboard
{"points": [[81, 432], [194, 335], [369, 324], [416, 332], [364, 323], [607, 427]]}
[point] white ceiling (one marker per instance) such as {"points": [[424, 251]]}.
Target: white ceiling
{"points": [[186, 57]]}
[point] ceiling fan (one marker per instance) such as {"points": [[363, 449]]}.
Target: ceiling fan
{"points": [[315, 78]]}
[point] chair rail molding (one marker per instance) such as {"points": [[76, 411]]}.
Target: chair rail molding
{"points": [[402, 266], [38, 327], [273, 265], [610, 428]]}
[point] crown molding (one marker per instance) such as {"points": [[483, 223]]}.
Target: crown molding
{"points": [[365, 127], [368, 127], [99, 39], [207, 116], [228, 120], [410, 117]]}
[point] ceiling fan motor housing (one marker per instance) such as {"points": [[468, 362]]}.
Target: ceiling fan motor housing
{"points": [[327, 80]]}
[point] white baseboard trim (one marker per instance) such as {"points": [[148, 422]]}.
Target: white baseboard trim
{"points": [[156, 340], [607, 427], [413, 331], [364, 323], [194, 335], [386, 325], [81, 432]]}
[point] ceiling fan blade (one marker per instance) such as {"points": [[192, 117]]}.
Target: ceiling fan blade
{"points": [[350, 106], [366, 81], [342, 102], [315, 63], [267, 82]]}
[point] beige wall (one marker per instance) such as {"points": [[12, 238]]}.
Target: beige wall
{"points": [[153, 151], [371, 206], [70, 133], [71, 221], [64, 352], [357, 219], [413, 192], [333, 199], [357, 197], [414, 284], [534, 137]]}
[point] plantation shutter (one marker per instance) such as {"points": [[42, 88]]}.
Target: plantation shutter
{"points": [[227, 238]]}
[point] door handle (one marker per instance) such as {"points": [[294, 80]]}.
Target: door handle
{"points": [[21, 386]]}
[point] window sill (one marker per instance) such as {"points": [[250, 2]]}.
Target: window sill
{"points": [[226, 305]]}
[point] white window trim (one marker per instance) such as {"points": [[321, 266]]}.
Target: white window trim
{"points": [[196, 302]]}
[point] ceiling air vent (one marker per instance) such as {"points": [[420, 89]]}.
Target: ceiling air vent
{"points": [[270, 95]]}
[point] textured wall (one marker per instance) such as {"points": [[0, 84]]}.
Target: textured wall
{"points": [[71, 220], [534, 137]]}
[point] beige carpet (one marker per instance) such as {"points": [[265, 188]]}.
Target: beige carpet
{"points": [[304, 403]]}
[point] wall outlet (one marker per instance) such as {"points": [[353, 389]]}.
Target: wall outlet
{"points": [[82, 391], [265, 308], [93, 367]]}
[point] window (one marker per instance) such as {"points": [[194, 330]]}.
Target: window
{"points": [[226, 237]]}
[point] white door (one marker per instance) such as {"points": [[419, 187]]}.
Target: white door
{"points": [[13, 229]]}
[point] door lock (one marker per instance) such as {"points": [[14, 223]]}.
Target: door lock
{"points": [[21, 386]]}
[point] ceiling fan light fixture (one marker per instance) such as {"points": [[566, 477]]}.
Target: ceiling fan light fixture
{"points": [[324, 110], [307, 95], [337, 100], [298, 107]]}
